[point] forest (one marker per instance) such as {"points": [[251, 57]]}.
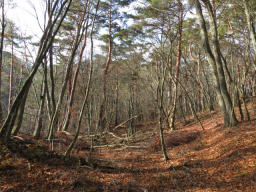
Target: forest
{"points": [[129, 95]]}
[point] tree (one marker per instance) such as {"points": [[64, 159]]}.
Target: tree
{"points": [[88, 87], [1, 49], [73, 86], [250, 24], [214, 58], [60, 11], [111, 7], [178, 61], [12, 38], [100, 125], [75, 44]]}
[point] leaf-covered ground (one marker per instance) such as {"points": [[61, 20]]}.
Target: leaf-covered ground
{"points": [[217, 159]]}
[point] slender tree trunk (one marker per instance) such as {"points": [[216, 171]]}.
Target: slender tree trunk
{"points": [[198, 61], [48, 101], [190, 102], [100, 125], [245, 105], [178, 59], [89, 115], [161, 135], [207, 94], [72, 93], [54, 119], [1, 54], [160, 97], [233, 87], [53, 101], [116, 97], [181, 105], [45, 42], [11, 81], [52, 78], [131, 130], [250, 25], [39, 124], [72, 144]]}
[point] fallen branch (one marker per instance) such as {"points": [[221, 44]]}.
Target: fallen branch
{"points": [[121, 145], [18, 138], [24, 140], [135, 146], [121, 124], [120, 138]]}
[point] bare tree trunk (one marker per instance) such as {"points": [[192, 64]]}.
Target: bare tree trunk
{"points": [[245, 105], [182, 109], [216, 64], [250, 25], [72, 144], [160, 97], [54, 119], [100, 125], [234, 87], [1, 54], [232, 121], [198, 61], [18, 121], [190, 102], [39, 124], [52, 79], [51, 110], [178, 59], [71, 98], [131, 111], [11, 81], [207, 94], [161, 135], [48, 101], [45, 42], [116, 97]]}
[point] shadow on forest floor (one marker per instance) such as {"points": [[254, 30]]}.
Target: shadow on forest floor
{"points": [[217, 159]]}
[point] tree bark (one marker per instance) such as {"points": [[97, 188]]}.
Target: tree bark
{"points": [[72, 93], [214, 60], [18, 121], [72, 144], [1, 54], [160, 97], [54, 119], [39, 124], [45, 43], [232, 121], [100, 123], [178, 59], [250, 25], [11, 80], [117, 97]]}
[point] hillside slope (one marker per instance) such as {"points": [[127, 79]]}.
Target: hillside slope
{"points": [[217, 159]]}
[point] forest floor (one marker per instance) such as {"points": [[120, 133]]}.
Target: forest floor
{"points": [[216, 159]]}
